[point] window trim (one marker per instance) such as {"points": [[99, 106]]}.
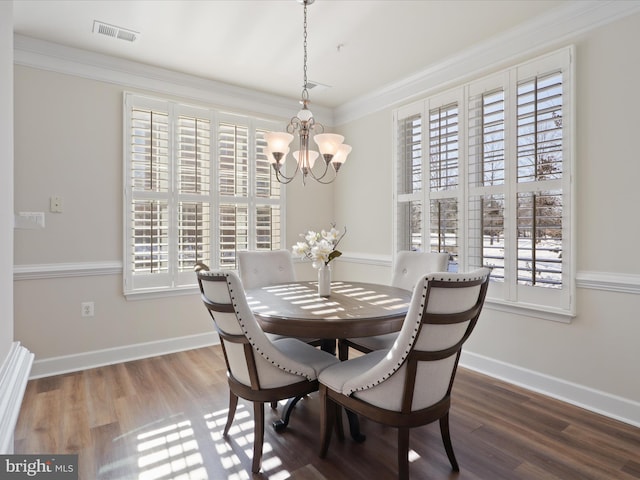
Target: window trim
{"points": [[214, 198], [562, 308]]}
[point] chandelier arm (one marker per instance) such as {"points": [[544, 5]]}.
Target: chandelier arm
{"points": [[320, 179], [324, 174], [282, 178]]}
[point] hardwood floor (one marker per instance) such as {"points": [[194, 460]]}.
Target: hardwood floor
{"points": [[162, 418]]}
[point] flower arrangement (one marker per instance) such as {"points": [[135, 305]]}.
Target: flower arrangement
{"points": [[320, 247]]}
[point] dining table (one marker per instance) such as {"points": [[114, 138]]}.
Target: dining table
{"points": [[352, 309]]}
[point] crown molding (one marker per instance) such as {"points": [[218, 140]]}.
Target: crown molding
{"points": [[559, 26], [35, 53], [556, 28]]}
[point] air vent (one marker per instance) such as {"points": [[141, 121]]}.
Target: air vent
{"points": [[318, 87], [115, 32]]}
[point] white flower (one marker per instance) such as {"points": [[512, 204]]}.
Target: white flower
{"points": [[300, 249], [311, 237], [319, 247]]}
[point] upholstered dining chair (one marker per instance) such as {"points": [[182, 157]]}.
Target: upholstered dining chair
{"points": [[408, 268], [258, 370], [410, 384], [265, 267], [268, 267]]}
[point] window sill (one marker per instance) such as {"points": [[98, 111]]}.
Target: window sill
{"points": [[153, 293], [530, 310]]}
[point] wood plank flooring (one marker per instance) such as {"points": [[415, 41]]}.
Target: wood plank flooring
{"points": [[162, 418]]}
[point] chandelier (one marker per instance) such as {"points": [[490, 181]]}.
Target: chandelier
{"points": [[334, 152]]}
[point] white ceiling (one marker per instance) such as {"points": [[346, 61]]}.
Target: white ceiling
{"points": [[355, 46]]}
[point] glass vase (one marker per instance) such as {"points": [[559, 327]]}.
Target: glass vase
{"points": [[324, 280]]}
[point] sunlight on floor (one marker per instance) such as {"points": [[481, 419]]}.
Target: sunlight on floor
{"points": [[171, 451]]}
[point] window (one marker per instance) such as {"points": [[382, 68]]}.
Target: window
{"points": [[198, 187], [483, 172]]}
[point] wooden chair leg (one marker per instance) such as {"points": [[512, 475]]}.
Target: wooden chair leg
{"points": [[446, 439], [258, 435], [339, 423], [327, 419], [233, 404], [403, 453]]}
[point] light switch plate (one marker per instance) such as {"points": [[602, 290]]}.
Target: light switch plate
{"points": [[55, 204]]}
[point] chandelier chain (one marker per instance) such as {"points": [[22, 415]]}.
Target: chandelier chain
{"points": [[305, 93]]}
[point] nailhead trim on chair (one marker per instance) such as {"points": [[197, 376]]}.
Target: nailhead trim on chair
{"points": [[251, 341], [407, 350], [415, 330]]}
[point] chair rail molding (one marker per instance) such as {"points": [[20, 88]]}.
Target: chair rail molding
{"points": [[594, 280], [609, 281], [62, 270], [14, 375]]}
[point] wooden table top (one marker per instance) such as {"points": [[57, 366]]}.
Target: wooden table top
{"points": [[354, 309]]}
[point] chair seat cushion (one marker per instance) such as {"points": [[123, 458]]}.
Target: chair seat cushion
{"points": [[274, 336], [336, 376], [378, 342], [306, 354]]}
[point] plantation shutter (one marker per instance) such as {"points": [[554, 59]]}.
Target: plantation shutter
{"points": [[498, 191], [409, 182], [539, 174], [487, 176], [444, 177], [198, 188]]}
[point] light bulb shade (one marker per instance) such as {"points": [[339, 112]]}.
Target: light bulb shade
{"points": [[328, 143], [278, 142], [341, 155], [299, 156], [276, 157]]}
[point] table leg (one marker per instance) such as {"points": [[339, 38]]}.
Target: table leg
{"points": [[328, 345], [281, 424]]}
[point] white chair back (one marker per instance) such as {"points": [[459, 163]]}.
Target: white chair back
{"points": [[422, 362], [410, 266], [223, 295], [261, 268]]}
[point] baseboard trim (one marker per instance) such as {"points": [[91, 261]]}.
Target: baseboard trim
{"points": [[13, 382], [611, 406], [99, 358], [618, 408]]}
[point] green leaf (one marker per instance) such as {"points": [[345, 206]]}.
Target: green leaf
{"points": [[334, 254]]}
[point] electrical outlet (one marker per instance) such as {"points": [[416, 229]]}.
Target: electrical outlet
{"points": [[86, 309]]}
